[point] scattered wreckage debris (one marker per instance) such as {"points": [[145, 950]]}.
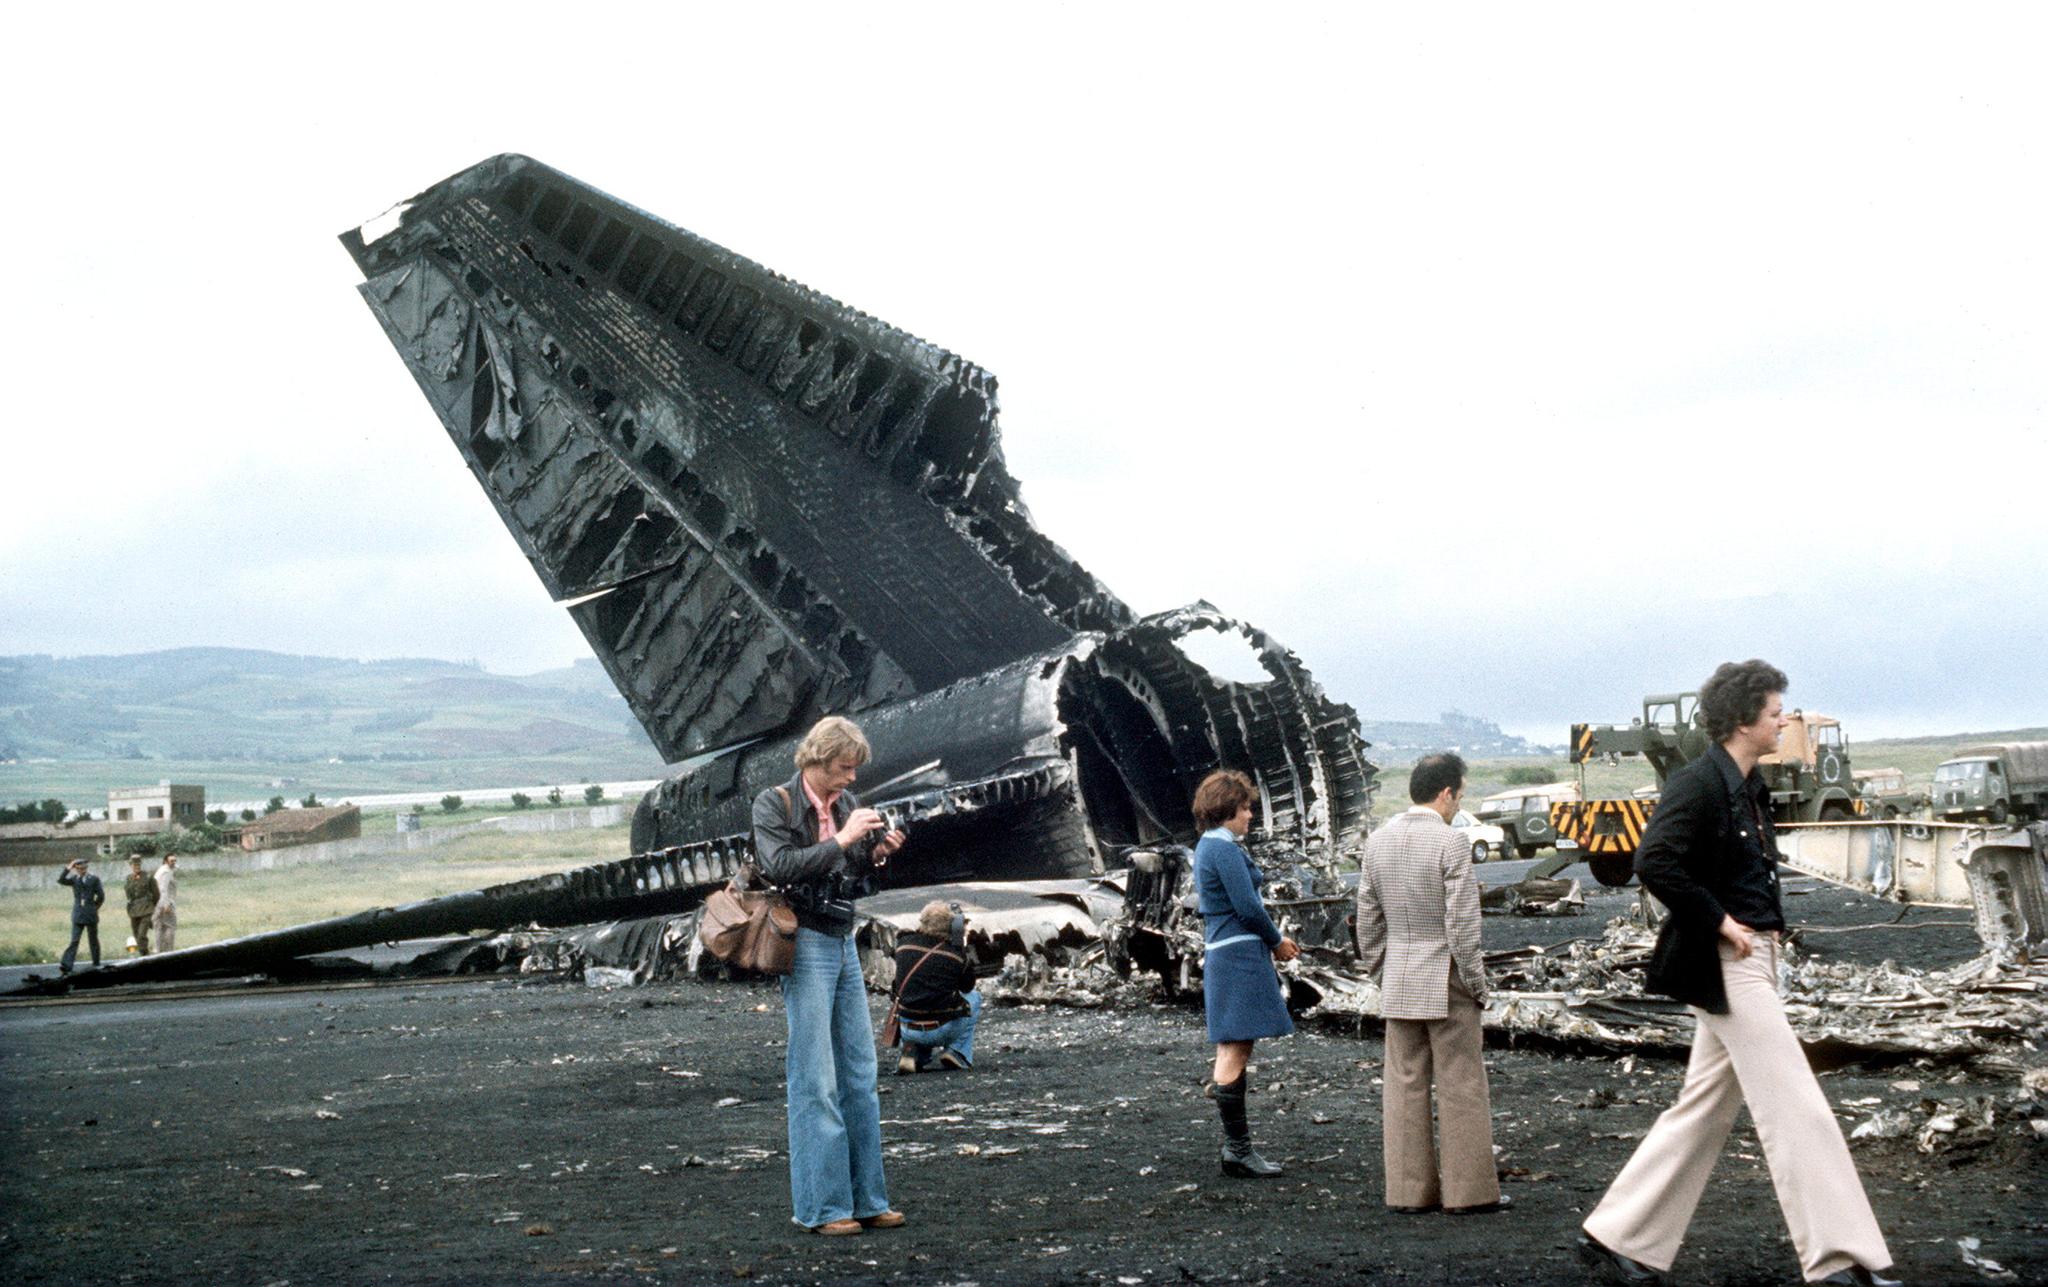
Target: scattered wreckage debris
{"points": [[762, 506], [672, 880], [1589, 992], [1533, 896], [1158, 930]]}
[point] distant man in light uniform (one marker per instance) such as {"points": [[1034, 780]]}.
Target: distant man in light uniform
{"points": [[141, 892], [165, 918]]}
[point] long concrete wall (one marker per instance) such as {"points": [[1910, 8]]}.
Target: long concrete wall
{"points": [[15, 878]]}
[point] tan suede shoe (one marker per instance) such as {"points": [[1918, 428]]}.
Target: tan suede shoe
{"points": [[836, 1228]]}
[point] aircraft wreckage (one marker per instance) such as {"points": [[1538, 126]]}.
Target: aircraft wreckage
{"points": [[761, 506]]}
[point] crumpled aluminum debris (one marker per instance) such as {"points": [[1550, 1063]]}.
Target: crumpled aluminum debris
{"points": [[1534, 896], [1591, 991], [1985, 1265]]}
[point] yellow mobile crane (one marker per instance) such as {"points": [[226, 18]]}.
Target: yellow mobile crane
{"points": [[1809, 777]]}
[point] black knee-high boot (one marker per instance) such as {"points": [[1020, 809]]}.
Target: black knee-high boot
{"points": [[1238, 1158]]}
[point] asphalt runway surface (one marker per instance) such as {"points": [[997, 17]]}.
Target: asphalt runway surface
{"points": [[521, 1130]]}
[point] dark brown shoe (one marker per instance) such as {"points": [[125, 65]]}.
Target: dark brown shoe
{"points": [[1858, 1276], [1611, 1266], [1414, 1210]]}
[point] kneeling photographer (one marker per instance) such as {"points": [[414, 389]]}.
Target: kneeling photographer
{"points": [[936, 1006]]}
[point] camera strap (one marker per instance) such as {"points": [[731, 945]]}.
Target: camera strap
{"points": [[890, 1033]]}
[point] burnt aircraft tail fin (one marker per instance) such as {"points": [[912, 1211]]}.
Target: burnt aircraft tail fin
{"points": [[762, 504]]}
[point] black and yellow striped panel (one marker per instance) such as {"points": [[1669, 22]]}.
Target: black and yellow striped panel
{"points": [[1582, 743], [1602, 826]]}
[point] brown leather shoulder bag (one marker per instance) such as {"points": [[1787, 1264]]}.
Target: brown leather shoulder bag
{"points": [[750, 927]]}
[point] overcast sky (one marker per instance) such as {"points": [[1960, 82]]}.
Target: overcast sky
{"points": [[1512, 359]]}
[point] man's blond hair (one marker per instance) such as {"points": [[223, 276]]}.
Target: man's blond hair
{"points": [[936, 919], [832, 738]]}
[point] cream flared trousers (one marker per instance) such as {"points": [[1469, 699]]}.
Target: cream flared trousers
{"points": [[1747, 1054]]}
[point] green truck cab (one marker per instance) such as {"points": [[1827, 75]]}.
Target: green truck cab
{"points": [[1523, 816], [1809, 774], [2006, 781]]}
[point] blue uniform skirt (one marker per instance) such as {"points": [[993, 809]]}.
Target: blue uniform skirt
{"points": [[1241, 993]]}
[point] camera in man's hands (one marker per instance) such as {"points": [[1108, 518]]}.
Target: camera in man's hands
{"points": [[891, 821]]}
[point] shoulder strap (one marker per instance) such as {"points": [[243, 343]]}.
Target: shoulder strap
{"points": [[749, 873], [930, 952]]}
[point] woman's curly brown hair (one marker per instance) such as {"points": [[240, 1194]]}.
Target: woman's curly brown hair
{"points": [[1221, 795]]}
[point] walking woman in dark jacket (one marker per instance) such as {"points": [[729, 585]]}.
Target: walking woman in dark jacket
{"points": [[1240, 991]]}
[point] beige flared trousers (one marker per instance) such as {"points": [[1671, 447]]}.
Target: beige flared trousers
{"points": [[1747, 1054], [1447, 1051]]}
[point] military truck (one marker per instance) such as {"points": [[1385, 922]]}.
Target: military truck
{"points": [[2006, 781], [1884, 793], [1523, 816], [1809, 777]]}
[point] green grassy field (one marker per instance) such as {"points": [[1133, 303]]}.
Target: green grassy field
{"points": [[84, 783], [384, 820], [35, 924]]}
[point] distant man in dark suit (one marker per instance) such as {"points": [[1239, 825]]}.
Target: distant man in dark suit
{"points": [[86, 896], [141, 892]]}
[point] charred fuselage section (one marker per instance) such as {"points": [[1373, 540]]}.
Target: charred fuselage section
{"points": [[1060, 764]]}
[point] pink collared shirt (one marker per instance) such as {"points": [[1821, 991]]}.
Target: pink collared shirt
{"points": [[824, 807]]}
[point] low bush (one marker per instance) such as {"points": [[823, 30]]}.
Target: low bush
{"points": [[202, 839]]}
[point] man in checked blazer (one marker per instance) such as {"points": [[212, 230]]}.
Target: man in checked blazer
{"points": [[1418, 933]]}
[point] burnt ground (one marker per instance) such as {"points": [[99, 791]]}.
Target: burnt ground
{"points": [[525, 1131]]}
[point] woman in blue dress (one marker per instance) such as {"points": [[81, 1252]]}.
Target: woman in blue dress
{"points": [[1240, 990]]}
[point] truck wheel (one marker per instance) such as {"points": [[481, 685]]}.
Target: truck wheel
{"points": [[1612, 870], [1890, 811], [1479, 851], [1997, 814], [1527, 851], [1834, 811]]}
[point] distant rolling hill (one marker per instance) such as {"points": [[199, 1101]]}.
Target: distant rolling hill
{"points": [[266, 712]]}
